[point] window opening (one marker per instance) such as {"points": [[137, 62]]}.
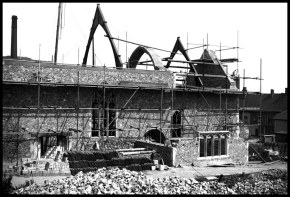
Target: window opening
{"points": [[176, 124], [102, 118], [212, 145]]}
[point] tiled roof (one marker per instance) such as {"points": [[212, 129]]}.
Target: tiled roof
{"points": [[275, 102], [212, 68], [281, 116]]}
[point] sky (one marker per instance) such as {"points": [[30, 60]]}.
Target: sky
{"points": [[258, 29]]}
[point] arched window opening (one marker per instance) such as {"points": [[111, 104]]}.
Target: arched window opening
{"points": [[103, 117], [176, 125]]}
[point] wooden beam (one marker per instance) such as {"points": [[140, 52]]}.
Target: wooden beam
{"points": [[190, 62], [201, 75]]}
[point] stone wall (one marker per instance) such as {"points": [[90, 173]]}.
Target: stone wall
{"points": [[188, 153], [238, 150], [26, 71]]}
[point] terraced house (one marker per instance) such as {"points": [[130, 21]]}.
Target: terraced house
{"points": [[72, 106]]}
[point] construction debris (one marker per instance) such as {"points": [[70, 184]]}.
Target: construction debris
{"points": [[116, 181]]}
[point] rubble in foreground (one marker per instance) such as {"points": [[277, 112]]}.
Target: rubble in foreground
{"points": [[123, 181]]}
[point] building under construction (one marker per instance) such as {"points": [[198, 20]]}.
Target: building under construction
{"points": [[46, 104]]}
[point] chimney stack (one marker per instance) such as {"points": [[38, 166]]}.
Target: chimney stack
{"points": [[272, 93], [14, 37]]}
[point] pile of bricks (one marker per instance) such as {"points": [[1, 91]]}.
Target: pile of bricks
{"points": [[52, 163]]}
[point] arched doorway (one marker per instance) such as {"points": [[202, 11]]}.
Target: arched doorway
{"points": [[176, 125], [155, 135]]}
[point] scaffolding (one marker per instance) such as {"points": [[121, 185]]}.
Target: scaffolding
{"points": [[56, 109], [209, 111]]}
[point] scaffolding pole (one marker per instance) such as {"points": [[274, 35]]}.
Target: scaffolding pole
{"points": [[122, 109], [226, 121], [78, 97], [38, 98], [261, 99], [141, 44], [161, 100], [237, 52]]}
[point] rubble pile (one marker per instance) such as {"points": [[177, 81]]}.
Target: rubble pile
{"points": [[116, 181], [272, 181]]}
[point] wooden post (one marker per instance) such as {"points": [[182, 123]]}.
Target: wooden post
{"points": [[107, 120], [161, 114], [99, 119], [57, 32], [78, 99]]}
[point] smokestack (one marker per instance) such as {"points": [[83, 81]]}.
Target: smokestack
{"points": [[14, 37], [272, 93]]}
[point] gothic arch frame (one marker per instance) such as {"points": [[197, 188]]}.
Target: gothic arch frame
{"points": [[139, 52], [100, 20], [179, 47]]}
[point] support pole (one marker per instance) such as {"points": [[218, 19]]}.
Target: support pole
{"points": [[38, 98], [220, 51], [57, 32], [104, 106], [207, 41], [107, 120], [226, 119], [161, 100], [18, 142], [261, 99], [99, 119], [122, 108], [139, 125], [126, 52], [171, 107], [238, 53], [244, 88], [187, 42], [78, 99], [93, 50]]}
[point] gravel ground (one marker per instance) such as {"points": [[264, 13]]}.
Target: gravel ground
{"points": [[184, 172]]}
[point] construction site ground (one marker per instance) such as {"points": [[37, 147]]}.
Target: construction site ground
{"points": [[183, 171]]}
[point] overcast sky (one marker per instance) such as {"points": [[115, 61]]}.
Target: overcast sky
{"points": [[260, 30]]}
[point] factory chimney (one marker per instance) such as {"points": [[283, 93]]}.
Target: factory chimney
{"points": [[14, 37], [272, 93]]}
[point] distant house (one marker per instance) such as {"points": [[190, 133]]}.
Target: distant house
{"points": [[272, 104], [280, 126]]}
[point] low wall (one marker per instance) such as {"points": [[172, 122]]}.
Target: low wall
{"points": [[187, 153]]}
